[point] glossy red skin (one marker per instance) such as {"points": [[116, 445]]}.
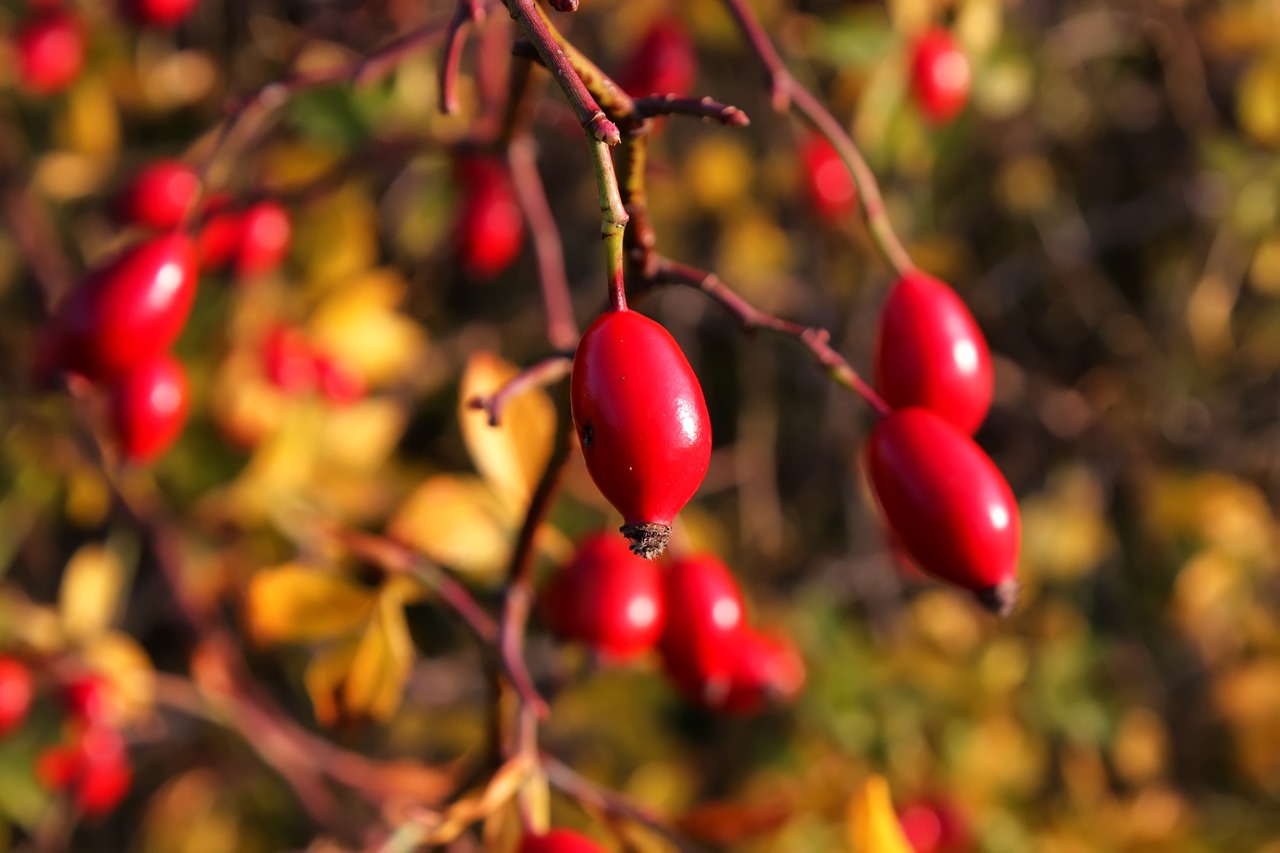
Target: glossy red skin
{"points": [[89, 698], [831, 190], [51, 51], [944, 499], [935, 825], [706, 616], [339, 383], [559, 841], [766, 669], [640, 417], [663, 63], [490, 228], [16, 690], [131, 309], [930, 352], [96, 766], [149, 407], [160, 195], [265, 233], [607, 598], [940, 76], [159, 13], [288, 361]]}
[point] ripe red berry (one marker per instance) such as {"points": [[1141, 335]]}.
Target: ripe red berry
{"points": [[149, 407], [607, 598], [131, 309], [16, 690], [160, 195], [51, 51], [830, 186], [940, 75], [491, 227], [559, 841], [766, 670], [219, 233], [663, 63], [947, 504], [265, 232], [95, 766], [339, 382], [931, 353], [288, 361], [159, 13], [89, 698], [935, 825], [642, 421], [705, 617]]}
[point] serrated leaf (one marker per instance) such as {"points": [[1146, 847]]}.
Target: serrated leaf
{"points": [[293, 603], [90, 592], [512, 455], [872, 823], [458, 522], [375, 685]]}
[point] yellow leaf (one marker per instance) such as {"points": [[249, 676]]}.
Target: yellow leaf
{"points": [[90, 592], [337, 236], [323, 679], [512, 455], [457, 522], [91, 124], [873, 824], [293, 603], [1259, 104], [292, 165], [128, 670], [358, 324], [380, 667], [361, 436]]}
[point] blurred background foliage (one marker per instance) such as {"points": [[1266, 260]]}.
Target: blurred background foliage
{"points": [[1108, 207]]}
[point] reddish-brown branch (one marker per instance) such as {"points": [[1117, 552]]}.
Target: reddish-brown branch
{"points": [[465, 13], [704, 108], [788, 93], [815, 340], [546, 372], [562, 327]]}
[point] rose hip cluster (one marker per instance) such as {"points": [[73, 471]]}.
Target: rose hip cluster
{"points": [[92, 763], [691, 610], [118, 324]]}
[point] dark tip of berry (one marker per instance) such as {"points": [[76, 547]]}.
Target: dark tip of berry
{"points": [[1001, 598], [648, 539]]}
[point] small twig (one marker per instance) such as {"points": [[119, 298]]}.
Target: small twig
{"points": [[570, 782], [539, 375], [815, 340], [704, 108], [562, 328], [787, 93], [613, 224], [538, 29], [465, 13]]}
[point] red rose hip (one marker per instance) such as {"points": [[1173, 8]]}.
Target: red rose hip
{"points": [[947, 504], [930, 353], [131, 309], [831, 189], [766, 670], [16, 691], [642, 422], [940, 75], [662, 63], [705, 618], [607, 598], [51, 51], [265, 233], [559, 841], [490, 228], [149, 408], [160, 195], [159, 13]]}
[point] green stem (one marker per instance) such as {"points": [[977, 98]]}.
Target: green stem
{"points": [[613, 223]]}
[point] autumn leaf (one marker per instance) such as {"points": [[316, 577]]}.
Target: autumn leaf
{"points": [[293, 603], [458, 522], [90, 592], [872, 823], [381, 663]]}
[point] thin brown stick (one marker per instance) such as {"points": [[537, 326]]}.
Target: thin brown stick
{"points": [[546, 372], [465, 13], [562, 327], [704, 108]]}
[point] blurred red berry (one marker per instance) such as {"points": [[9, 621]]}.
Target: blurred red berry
{"points": [[219, 233], [705, 615], [607, 598], [934, 825], [490, 229], [159, 13], [131, 309], [160, 195], [288, 361], [16, 691], [89, 698], [95, 767], [149, 407], [766, 670], [265, 232], [559, 841], [663, 63], [831, 190], [940, 75], [51, 51], [340, 384], [58, 766]]}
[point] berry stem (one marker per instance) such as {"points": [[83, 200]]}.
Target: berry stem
{"points": [[789, 94], [539, 375], [464, 14], [529, 15], [703, 108], [613, 224]]}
